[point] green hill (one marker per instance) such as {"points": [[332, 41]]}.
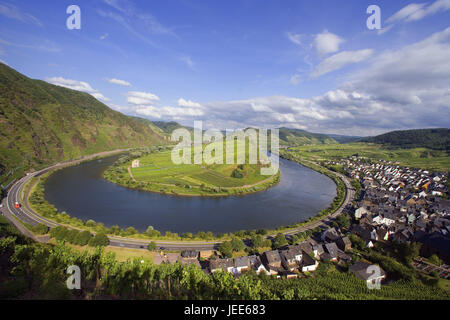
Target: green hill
{"points": [[297, 137], [438, 139], [42, 123]]}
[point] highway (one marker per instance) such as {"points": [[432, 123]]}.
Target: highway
{"points": [[27, 215]]}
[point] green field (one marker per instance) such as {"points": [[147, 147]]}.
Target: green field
{"points": [[434, 160], [157, 172]]}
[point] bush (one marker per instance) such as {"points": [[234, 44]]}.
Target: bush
{"points": [[237, 244], [279, 241], [82, 238], [152, 246], [99, 240], [40, 229], [226, 249], [59, 233]]}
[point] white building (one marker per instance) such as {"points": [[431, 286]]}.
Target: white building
{"points": [[135, 164]]}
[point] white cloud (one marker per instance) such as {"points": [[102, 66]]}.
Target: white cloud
{"points": [[119, 82], [418, 11], [13, 12], [188, 103], [188, 61], [104, 36], [295, 79], [327, 42], [400, 89], [173, 113], [141, 98], [340, 60], [294, 38], [77, 85]]}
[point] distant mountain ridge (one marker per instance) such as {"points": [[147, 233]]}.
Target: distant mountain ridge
{"points": [[438, 139], [297, 137], [41, 123]]}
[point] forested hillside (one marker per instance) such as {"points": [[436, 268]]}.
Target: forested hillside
{"points": [[41, 123], [438, 139]]}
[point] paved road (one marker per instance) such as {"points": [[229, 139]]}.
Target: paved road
{"points": [[27, 215]]}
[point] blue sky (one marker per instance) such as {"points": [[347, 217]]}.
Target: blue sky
{"points": [[311, 65]]}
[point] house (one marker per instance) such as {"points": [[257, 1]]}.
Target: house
{"points": [[272, 258], [331, 252], [135, 163], [360, 212], [221, 264], [368, 272], [291, 257], [330, 235], [189, 254], [205, 254], [241, 264], [308, 264], [257, 265], [344, 243], [318, 251]]}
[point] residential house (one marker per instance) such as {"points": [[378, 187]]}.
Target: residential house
{"points": [[221, 264], [241, 264], [272, 258], [370, 273], [344, 243]]}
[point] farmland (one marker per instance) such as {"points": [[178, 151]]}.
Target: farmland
{"points": [[434, 160], [157, 172]]}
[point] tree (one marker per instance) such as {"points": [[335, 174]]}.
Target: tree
{"points": [[90, 223], [115, 230], [237, 244], [40, 228], [257, 241], [343, 221], [99, 240], [226, 249], [130, 231], [83, 238], [279, 241], [435, 260], [152, 246]]}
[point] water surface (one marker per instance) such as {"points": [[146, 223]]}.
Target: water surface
{"points": [[82, 192]]}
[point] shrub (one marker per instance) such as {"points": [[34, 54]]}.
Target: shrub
{"points": [[99, 240], [226, 249], [152, 246], [40, 228], [82, 238]]}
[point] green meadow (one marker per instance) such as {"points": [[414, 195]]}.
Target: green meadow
{"points": [[157, 172], [434, 160]]}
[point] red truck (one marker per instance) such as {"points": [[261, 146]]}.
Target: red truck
{"points": [[16, 205]]}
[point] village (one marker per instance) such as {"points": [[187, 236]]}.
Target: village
{"points": [[396, 204]]}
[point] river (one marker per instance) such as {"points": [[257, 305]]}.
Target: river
{"points": [[82, 192]]}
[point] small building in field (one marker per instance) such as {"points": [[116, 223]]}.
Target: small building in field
{"points": [[135, 163]]}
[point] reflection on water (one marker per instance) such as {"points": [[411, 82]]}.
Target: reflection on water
{"points": [[83, 193]]}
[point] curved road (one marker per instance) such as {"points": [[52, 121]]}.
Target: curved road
{"points": [[27, 215]]}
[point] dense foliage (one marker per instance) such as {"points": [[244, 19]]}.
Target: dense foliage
{"points": [[438, 139]]}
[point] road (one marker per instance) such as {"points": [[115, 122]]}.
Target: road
{"points": [[27, 215]]}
